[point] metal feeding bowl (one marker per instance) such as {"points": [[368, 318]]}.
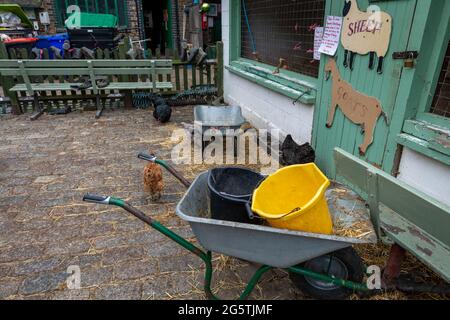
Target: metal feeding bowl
{"points": [[219, 118]]}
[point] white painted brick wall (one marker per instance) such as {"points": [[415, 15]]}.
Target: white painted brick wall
{"points": [[427, 175]]}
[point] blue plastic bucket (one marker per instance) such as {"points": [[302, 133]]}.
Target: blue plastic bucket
{"points": [[56, 40]]}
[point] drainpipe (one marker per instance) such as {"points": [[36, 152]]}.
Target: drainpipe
{"points": [[177, 21]]}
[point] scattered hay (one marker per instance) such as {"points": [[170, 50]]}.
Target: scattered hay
{"points": [[357, 230]]}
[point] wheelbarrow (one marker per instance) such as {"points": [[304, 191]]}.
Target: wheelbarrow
{"points": [[323, 266]]}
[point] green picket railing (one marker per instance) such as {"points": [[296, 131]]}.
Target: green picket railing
{"points": [[183, 75]]}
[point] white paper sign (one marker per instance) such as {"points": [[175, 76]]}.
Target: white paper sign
{"points": [[318, 36], [331, 36]]}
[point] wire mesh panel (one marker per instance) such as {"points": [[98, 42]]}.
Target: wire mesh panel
{"points": [[281, 29], [441, 101]]}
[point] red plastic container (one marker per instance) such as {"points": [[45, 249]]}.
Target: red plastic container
{"points": [[21, 43]]}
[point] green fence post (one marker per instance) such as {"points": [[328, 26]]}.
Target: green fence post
{"points": [[8, 82], [123, 48]]}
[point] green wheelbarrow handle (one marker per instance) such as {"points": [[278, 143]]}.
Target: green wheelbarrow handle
{"points": [[207, 256]]}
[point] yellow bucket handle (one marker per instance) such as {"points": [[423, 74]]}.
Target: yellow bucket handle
{"points": [[252, 216]]}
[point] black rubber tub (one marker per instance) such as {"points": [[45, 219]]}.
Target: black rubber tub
{"points": [[92, 38], [230, 190]]}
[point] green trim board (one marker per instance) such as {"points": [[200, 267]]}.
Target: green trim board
{"points": [[407, 216], [438, 138], [432, 56], [422, 131], [113, 86], [306, 97], [429, 149], [291, 84]]}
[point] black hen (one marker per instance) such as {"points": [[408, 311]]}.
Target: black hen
{"points": [[162, 113], [292, 153]]}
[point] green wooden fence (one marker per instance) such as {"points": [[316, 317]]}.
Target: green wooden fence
{"points": [[183, 77]]}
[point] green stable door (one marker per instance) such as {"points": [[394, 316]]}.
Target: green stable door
{"points": [[385, 87]]}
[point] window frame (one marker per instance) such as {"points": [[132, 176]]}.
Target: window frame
{"points": [[423, 131], [59, 11], [292, 84]]}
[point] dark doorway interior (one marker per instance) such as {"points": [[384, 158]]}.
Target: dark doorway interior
{"points": [[155, 24]]}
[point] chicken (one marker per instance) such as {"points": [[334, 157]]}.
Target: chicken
{"points": [[292, 153], [163, 111], [153, 181]]}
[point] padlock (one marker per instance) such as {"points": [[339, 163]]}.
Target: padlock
{"points": [[409, 62]]}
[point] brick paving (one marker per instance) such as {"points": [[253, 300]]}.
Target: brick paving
{"points": [[45, 168]]}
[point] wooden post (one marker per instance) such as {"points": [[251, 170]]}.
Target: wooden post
{"points": [[219, 69], [128, 98], [8, 82]]}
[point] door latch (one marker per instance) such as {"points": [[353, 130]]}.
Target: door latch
{"points": [[407, 56]]}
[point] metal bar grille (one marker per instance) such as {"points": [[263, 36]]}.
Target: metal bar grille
{"points": [[281, 29], [441, 101]]}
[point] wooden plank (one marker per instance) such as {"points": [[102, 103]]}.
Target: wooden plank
{"points": [[177, 78], [85, 71], [417, 207], [8, 82], [424, 147], [164, 63], [432, 252], [208, 74], [125, 78], [194, 75], [25, 77], [185, 77], [112, 86], [45, 56], [201, 71], [438, 138]]}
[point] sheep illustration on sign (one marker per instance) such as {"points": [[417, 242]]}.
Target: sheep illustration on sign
{"points": [[365, 33], [357, 107]]}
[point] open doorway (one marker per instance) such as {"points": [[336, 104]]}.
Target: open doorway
{"points": [[156, 24]]}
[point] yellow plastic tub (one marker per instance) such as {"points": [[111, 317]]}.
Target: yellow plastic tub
{"points": [[294, 198]]}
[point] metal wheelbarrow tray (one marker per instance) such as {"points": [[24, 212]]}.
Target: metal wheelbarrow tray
{"points": [[269, 246], [220, 118], [335, 270]]}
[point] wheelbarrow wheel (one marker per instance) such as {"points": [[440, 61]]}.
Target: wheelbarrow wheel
{"points": [[344, 264]]}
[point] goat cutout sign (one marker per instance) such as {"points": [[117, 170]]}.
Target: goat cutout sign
{"points": [[357, 107], [365, 33]]}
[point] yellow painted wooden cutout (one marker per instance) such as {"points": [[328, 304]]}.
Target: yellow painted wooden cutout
{"points": [[365, 33], [357, 107]]}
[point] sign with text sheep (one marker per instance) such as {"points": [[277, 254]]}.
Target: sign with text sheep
{"points": [[365, 33]]}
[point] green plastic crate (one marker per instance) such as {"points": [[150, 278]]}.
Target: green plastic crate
{"points": [[80, 20]]}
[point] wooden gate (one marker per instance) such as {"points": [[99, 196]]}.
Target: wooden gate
{"points": [[385, 87]]}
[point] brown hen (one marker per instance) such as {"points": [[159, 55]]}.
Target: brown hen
{"points": [[153, 181]]}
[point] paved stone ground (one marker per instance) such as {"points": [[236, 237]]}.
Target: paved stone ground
{"points": [[45, 168]]}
